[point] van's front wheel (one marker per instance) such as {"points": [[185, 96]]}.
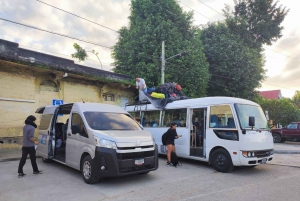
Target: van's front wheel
{"points": [[221, 161], [87, 170]]}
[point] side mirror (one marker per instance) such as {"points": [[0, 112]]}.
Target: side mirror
{"points": [[75, 129], [251, 121]]}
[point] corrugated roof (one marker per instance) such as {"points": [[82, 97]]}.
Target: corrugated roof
{"points": [[273, 94]]}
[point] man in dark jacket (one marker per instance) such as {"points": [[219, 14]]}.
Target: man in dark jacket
{"points": [[29, 146]]}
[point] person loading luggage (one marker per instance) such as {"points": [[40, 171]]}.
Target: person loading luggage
{"points": [[141, 86], [171, 136]]}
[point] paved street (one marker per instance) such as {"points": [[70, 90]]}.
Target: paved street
{"points": [[192, 181]]}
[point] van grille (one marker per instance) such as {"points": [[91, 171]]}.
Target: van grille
{"points": [[136, 168], [261, 154], [134, 155]]}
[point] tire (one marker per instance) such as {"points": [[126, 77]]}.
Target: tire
{"points": [[46, 160], [87, 170], [221, 161], [277, 138]]}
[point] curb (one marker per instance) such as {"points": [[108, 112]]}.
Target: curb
{"points": [[14, 159], [286, 152]]}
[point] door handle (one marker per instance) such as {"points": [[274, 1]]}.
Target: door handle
{"points": [[69, 134]]}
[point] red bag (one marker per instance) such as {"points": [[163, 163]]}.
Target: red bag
{"points": [[178, 87]]}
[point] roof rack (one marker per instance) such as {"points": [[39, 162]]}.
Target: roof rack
{"points": [[138, 104]]}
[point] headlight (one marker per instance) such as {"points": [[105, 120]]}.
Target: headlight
{"points": [[249, 154], [154, 142], [105, 143]]}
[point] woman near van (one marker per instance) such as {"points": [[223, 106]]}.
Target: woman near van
{"points": [[28, 146], [171, 136]]}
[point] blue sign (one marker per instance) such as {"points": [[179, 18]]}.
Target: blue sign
{"points": [[57, 102]]}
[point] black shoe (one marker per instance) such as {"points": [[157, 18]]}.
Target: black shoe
{"points": [[38, 172], [21, 175]]}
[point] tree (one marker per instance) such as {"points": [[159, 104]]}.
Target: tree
{"points": [[236, 70], [296, 99], [138, 50], [256, 21], [280, 111], [80, 53]]}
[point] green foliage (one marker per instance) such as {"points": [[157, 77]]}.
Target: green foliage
{"points": [[138, 50], [296, 99], [280, 111], [256, 21], [80, 53], [236, 70]]}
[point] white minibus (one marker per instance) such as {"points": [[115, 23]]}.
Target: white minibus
{"points": [[223, 131], [100, 140]]}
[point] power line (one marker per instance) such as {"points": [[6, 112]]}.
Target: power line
{"points": [[234, 31], [78, 16], [194, 10], [66, 36], [242, 27]]}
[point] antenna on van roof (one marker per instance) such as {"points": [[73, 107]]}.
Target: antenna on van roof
{"points": [[82, 100]]}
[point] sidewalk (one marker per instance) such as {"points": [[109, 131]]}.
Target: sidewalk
{"points": [[11, 154], [288, 148]]}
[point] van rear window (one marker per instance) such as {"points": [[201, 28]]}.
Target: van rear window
{"points": [[110, 121], [45, 121]]}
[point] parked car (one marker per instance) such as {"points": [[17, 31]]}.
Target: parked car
{"points": [[290, 132]]}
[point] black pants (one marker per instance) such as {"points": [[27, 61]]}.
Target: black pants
{"points": [[25, 152]]}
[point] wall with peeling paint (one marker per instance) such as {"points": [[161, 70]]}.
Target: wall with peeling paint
{"points": [[23, 89]]}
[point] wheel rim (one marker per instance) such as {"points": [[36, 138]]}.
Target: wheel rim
{"points": [[276, 138], [86, 169], [221, 160]]}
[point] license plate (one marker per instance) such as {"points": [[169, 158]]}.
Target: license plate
{"points": [[264, 161], [139, 161]]}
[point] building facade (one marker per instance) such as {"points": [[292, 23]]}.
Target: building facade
{"points": [[29, 80]]}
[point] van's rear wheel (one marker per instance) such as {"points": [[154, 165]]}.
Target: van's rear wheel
{"points": [[221, 161], [87, 170]]}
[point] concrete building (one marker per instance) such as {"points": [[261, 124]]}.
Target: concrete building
{"points": [[30, 79]]}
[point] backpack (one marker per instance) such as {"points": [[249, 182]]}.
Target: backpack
{"points": [[174, 159], [164, 138]]}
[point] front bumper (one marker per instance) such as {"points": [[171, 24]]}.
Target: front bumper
{"points": [[117, 164], [250, 161]]}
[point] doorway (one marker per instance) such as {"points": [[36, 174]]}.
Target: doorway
{"points": [[198, 131]]}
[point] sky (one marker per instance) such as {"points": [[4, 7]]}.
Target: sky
{"points": [[282, 58]]}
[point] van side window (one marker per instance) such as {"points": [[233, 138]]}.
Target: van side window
{"points": [[221, 117], [150, 118], [177, 116], [77, 120], [45, 121]]}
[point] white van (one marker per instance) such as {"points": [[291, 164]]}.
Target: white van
{"points": [[223, 131], [100, 140]]}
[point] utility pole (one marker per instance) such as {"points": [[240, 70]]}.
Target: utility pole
{"points": [[163, 62]]}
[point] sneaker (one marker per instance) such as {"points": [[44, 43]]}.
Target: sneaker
{"points": [[21, 175], [169, 164], [38, 172]]}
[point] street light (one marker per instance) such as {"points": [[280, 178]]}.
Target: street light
{"points": [[93, 51]]}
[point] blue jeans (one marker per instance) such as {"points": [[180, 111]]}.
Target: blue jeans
{"points": [[141, 95]]}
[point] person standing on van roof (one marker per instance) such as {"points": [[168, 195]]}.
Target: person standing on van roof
{"points": [[171, 136], [141, 86], [28, 146]]}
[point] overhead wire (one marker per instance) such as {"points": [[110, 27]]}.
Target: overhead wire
{"points": [[78, 16], [59, 34]]}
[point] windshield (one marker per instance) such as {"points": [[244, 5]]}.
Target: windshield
{"points": [[110, 121], [246, 111]]}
